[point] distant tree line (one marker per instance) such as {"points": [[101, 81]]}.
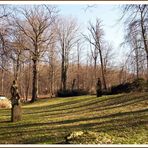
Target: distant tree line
{"points": [[46, 52]]}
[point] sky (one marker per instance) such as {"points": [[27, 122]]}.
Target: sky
{"points": [[108, 13]]}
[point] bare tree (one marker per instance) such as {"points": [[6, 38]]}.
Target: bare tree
{"points": [[137, 16], [94, 54], [96, 33], [67, 34], [134, 40], [4, 42], [3, 57], [108, 60], [35, 24], [17, 51], [51, 55], [79, 48]]}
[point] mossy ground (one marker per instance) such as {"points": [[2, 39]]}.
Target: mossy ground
{"points": [[123, 117]]}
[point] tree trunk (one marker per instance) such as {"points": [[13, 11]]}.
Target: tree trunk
{"points": [[78, 72], [102, 70], [62, 67], [63, 70], [34, 82], [147, 67], [51, 83], [17, 67], [51, 78], [64, 78], [2, 81], [95, 67], [78, 81], [27, 82], [137, 63], [27, 91], [95, 71]]}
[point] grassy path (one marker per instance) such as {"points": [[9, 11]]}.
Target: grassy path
{"points": [[123, 117]]}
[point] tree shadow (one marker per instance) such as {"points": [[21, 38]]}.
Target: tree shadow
{"points": [[98, 107], [53, 106], [86, 102], [100, 123], [114, 115], [113, 124], [121, 104], [6, 121]]}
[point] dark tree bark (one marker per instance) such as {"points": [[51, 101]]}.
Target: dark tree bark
{"points": [[102, 70], [64, 68], [27, 81], [34, 82]]}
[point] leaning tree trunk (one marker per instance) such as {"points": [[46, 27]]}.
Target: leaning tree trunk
{"points": [[147, 67], [95, 71], [34, 82], [102, 70], [137, 63]]}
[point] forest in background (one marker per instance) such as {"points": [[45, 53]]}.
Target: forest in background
{"points": [[46, 52]]}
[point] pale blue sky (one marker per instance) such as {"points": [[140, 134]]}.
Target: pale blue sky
{"points": [[109, 14]]}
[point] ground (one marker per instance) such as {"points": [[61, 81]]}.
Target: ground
{"points": [[122, 117]]}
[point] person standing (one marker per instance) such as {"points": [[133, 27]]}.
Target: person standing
{"points": [[99, 88]]}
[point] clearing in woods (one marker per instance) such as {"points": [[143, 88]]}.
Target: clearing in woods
{"points": [[123, 117]]}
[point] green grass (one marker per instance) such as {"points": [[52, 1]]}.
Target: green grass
{"points": [[124, 117]]}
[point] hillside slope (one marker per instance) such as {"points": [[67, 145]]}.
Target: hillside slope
{"points": [[123, 117]]}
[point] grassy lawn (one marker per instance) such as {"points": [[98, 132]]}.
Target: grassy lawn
{"points": [[124, 117]]}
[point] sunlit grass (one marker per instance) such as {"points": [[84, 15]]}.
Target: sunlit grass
{"points": [[124, 117]]}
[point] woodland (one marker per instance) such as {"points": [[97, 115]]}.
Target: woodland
{"points": [[57, 75]]}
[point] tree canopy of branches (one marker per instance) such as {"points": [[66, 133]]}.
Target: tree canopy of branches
{"points": [[136, 21], [96, 39], [45, 51], [67, 35], [35, 24]]}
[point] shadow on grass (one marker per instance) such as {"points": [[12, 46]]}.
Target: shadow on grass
{"points": [[122, 104], [6, 121], [90, 106], [115, 115], [110, 122], [50, 107], [62, 131], [85, 103]]}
